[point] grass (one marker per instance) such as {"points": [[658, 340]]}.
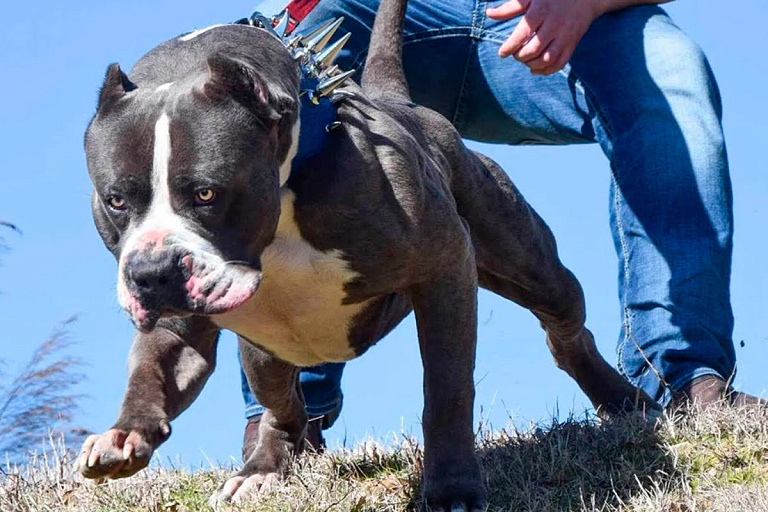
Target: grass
{"points": [[712, 460]]}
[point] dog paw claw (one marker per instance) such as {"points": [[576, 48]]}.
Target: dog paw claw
{"points": [[241, 489], [113, 454]]}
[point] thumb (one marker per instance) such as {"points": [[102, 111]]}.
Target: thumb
{"points": [[508, 9]]}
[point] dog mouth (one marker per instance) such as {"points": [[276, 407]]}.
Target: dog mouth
{"points": [[203, 288]]}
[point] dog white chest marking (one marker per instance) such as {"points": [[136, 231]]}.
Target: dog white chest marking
{"points": [[297, 312], [285, 168]]}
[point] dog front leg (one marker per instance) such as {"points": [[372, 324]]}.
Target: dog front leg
{"points": [[282, 427], [167, 369], [446, 318]]}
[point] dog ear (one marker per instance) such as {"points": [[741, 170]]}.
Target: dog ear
{"points": [[116, 85], [228, 77]]}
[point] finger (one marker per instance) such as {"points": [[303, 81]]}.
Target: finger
{"points": [[520, 36], [545, 59], [552, 60], [508, 9], [535, 46]]}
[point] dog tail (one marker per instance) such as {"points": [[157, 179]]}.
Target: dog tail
{"points": [[383, 71]]}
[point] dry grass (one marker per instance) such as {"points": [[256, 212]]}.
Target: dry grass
{"points": [[41, 396], [714, 460]]}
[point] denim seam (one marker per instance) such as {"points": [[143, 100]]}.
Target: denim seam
{"points": [[458, 113], [627, 320], [478, 19], [258, 409], [427, 35], [492, 35], [579, 83], [626, 313]]}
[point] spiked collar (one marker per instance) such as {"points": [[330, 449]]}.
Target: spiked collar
{"points": [[320, 78]]}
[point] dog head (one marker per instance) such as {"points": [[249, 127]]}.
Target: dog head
{"points": [[187, 157]]}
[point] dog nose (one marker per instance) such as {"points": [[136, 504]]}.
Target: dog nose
{"points": [[156, 275]]}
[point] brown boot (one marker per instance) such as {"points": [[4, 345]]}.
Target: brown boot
{"points": [[711, 389], [315, 437], [251, 435]]}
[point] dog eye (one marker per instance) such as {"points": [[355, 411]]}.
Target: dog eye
{"points": [[205, 196], [117, 203]]}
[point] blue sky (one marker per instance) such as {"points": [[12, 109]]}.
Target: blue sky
{"points": [[52, 58]]}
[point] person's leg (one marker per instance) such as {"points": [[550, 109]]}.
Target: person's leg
{"points": [[321, 387], [642, 89], [671, 202]]}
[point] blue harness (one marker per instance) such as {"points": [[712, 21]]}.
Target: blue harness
{"points": [[316, 122], [317, 113]]}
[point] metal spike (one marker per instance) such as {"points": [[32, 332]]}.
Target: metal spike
{"points": [[327, 86], [327, 56], [260, 21], [313, 97], [337, 96], [318, 42], [299, 53], [293, 42], [328, 72], [283, 21], [307, 37]]}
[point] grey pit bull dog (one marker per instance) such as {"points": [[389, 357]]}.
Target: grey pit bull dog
{"points": [[190, 157]]}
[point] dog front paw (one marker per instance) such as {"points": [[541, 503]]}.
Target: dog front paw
{"points": [[120, 452], [264, 468]]}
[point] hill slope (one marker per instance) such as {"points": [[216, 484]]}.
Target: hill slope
{"points": [[715, 460]]}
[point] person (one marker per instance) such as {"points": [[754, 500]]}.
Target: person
{"points": [[618, 73]]}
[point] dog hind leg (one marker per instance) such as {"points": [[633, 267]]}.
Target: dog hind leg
{"points": [[517, 259]]}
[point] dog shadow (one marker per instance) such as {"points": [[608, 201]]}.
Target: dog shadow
{"points": [[574, 465], [570, 466]]}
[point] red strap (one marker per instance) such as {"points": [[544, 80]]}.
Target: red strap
{"points": [[298, 10]]}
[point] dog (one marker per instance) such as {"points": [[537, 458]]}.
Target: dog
{"points": [[214, 226]]}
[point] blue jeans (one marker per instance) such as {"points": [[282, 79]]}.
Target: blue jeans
{"points": [[643, 90], [320, 385]]}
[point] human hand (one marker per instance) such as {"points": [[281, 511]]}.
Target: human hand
{"points": [[549, 31]]}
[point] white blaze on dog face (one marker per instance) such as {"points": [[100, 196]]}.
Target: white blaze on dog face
{"points": [[161, 197], [160, 219], [211, 281]]}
